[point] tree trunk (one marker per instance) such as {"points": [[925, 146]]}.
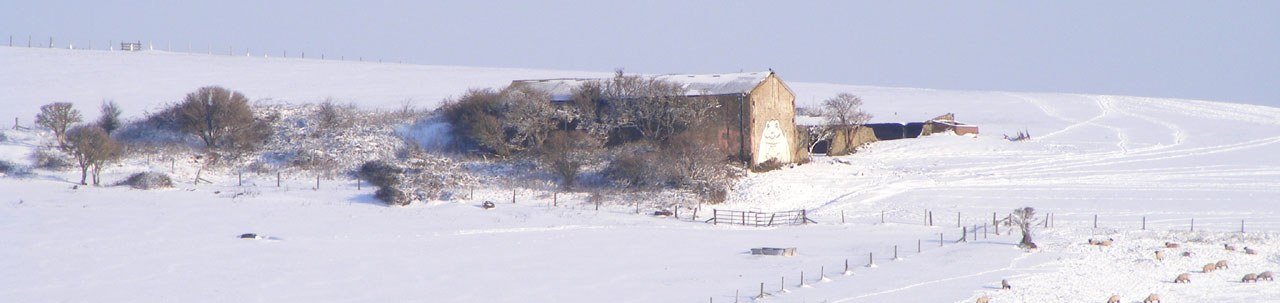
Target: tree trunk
{"points": [[84, 174]]}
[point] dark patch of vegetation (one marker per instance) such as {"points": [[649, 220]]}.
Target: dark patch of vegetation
{"points": [[148, 180]]}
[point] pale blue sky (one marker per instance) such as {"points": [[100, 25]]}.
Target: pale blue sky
{"points": [[1209, 50]]}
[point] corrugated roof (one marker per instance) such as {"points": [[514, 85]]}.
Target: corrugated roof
{"points": [[694, 85]]}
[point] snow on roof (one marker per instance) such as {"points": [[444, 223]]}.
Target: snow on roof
{"points": [[694, 85]]}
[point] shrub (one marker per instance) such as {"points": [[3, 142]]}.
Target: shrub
{"points": [[331, 115], [632, 170], [7, 168], [392, 196], [566, 152], [380, 173], [47, 159], [148, 180], [765, 166]]}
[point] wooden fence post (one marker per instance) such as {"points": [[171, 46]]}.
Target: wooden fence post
{"points": [[918, 245], [846, 266], [695, 213], [1241, 225], [714, 215], [1046, 220], [197, 181], [239, 179], [984, 230], [555, 202], [317, 181], [940, 239], [895, 252], [882, 216], [870, 259], [1144, 222], [1193, 224], [930, 218], [957, 219], [761, 290], [1095, 221], [513, 196], [964, 234], [277, 179], [841, 216]]}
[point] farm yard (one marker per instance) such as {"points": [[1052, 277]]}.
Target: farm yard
{"points": [[1145, 168]]}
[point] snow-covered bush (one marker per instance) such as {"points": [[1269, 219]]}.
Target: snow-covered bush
{"points": [[772, 164], [7, 168], [148, 180], [392, 196], [51, 160], [380, 173]]}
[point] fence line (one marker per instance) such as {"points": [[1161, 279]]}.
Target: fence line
{"points": [[168, 46]]}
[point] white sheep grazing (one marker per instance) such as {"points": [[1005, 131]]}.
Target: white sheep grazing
{"points": [[1249, 251], [1114, 299], [1229, 247], [1208, 268], [984, 299], [1249, 278], [1106, 242], [1222, 264], [1170, 245], [1152, 298], [1093, 242], [1159, 255], [1266, 275], [1183, 278]]}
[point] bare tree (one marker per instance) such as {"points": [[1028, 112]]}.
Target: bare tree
{"points": [[475, 118], [213, 112], [658, 109], [1024, 219], [528, 116], [566, 152], [58, 117], [92, 148], [844, 111], [110, 119]]}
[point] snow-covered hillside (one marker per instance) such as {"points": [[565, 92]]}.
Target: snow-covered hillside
{"points": [[1125, 160]]}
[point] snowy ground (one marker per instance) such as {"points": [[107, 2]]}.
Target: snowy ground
{"points": [[1122, 159]]}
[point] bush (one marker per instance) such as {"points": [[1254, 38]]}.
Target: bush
{"points": [[566, 152], [47, 159], [148, 180], [7, 168], [392, 196], [380, 173], [772, 164], [633, 170]]}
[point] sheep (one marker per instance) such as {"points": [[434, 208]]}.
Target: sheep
{"points": [[1114, 299], [1152, 298], [1266, 275], [1106, 242], [1208, 268], [1222, 264], [1249, 251], [1229, 247], [1159, 255], [1094, 242], [1249, 278], [1183, 278], [1004, 284], [1186, 254], [984, 299], [1170, 245]]}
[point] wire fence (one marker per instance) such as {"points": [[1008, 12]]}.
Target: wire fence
{"points": [[167, 45]]}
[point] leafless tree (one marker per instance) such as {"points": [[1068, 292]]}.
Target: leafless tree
{"points": [[213, 113], [566, 152], [92, 148], [110, 119], [58, 117], [475, 118], [844, 111], [657, 108], [1024, 219], [528, 115]]}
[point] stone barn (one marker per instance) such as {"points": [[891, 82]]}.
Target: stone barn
{"points": [[755, 119]]}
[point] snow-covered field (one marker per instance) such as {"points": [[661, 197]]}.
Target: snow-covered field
{"points": [[1125, 160]]}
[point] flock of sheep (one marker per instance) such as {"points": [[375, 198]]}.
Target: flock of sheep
{"points": [[1181, 278]]}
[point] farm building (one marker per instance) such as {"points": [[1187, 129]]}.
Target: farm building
{"points": [[755, 119]]}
